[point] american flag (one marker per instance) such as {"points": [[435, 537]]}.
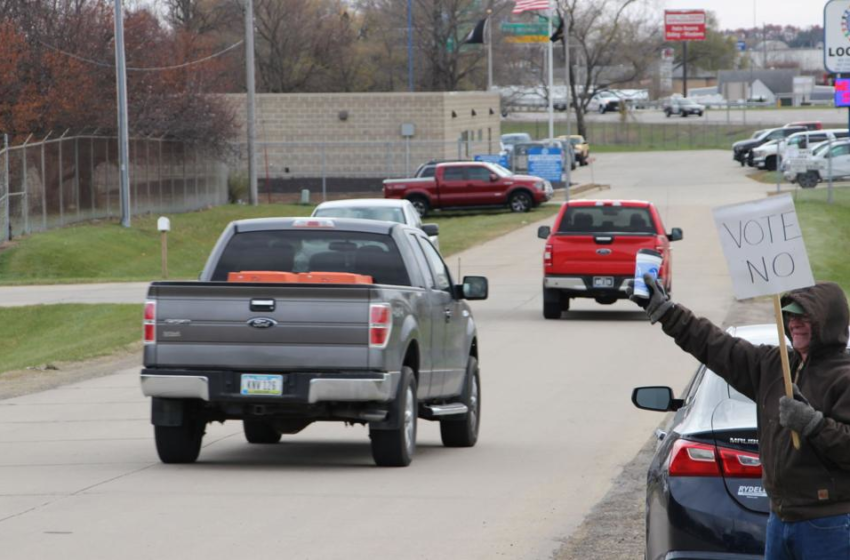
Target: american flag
{"points": [[529, 5]]}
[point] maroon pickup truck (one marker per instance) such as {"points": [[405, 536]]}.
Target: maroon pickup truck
{"points": [[466, 184]]}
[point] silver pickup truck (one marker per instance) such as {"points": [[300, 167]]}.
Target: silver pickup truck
{"points": [[367, 328]]}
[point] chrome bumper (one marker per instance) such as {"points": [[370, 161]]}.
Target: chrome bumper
{"points": [[575, 283], [354, 390], [176, 387]]}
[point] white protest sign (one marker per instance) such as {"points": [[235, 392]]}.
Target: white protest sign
{"points": [[764, 248]]}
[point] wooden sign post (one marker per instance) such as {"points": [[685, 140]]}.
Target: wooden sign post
{"points": [[764, 250]]}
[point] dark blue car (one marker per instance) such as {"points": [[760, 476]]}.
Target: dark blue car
{"points": [[704, 495]]}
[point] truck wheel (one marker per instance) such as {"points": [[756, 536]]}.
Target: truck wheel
{"points": [[807, 180], [395, 448], [520, 202], [770, 163], [180, 444], [463, 432], [552, 305], [257, 431], [421, 204]]}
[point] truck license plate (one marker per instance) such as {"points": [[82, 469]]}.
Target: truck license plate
{"points": [[259, 384], [603, 281]]}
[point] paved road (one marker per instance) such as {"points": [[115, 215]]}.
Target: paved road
{"points": [[765, 117], [79, 478], [128, 292]]}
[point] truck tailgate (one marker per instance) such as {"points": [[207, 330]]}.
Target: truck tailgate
{"points": [[608, 254], [209, 325]]}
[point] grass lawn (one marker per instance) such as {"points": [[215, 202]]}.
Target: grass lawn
{"points": [[105, 252], [43, 334], [826, 229], [629, 136]]}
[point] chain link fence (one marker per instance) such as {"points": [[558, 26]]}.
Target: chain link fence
{"points": [[332, 169], [70, 179]]}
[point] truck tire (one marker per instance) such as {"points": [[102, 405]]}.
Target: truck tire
{"points": [[520, 202], [421, 204], [257, 431], [395, 447], [552, 304], [808, 180], [180, 444], [463, 431], [770, 163]]}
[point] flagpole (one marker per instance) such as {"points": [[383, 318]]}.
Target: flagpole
{"points": [[551, 78], [489, 50], [566, 38]]}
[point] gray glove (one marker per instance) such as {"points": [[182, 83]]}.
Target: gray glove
{"points": [[798, 415], [658, 303]]}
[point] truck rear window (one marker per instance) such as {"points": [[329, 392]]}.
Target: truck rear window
{"points": [[607, 219], [314, 251]]}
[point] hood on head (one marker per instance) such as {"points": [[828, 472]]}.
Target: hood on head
{"points": [[826, 306]]}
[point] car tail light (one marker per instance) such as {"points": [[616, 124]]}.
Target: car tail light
{"points": [[150, 322], [739, 464], [547, 256], [689, 458], [380, 324]]}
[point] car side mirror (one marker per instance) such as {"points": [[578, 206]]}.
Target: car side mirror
{"points": [[474, 287], [659, 399], [493, 177], [543, 232], [675, 234], [431, 230]]}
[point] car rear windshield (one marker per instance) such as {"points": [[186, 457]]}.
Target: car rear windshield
{"points": [[362, 213], [314, 251], [607, 219]]}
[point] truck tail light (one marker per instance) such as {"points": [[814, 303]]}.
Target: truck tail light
{"points": [[380, 324], [547, 256], [149, 323]]}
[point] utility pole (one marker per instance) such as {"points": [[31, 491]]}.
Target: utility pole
{"points": [[123, 132], [489, 49], [410, 45], [551, 60], [249, 82], [567, 83]]}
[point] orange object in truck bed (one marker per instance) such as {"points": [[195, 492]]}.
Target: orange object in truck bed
{"points": [[269, 277]]}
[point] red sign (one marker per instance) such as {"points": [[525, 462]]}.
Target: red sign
{"points": [[684, 25], [842, 92]]}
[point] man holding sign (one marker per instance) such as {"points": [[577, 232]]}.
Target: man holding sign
{"points": [[806, 479]]}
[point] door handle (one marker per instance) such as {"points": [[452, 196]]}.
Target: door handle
{"points": [[448, 314]]}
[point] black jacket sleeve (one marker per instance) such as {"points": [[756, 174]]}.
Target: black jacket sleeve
{"points": [[833, 438], [734, 359]]}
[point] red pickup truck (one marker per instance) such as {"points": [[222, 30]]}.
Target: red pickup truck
{"points": [[591, 251], [465, 184]]}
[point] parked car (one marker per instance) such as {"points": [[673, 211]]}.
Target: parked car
{"points": [[590, 252], [809, 125], [604, 102], [704, 495], [299, 320], [396, 211], [471, 184], [742, 150], [770, 155], [683, 107], [580, 147], [826, 160], [509, 140]]}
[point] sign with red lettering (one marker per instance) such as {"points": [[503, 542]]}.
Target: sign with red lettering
{"points": [[842, 92], [684, 25]]}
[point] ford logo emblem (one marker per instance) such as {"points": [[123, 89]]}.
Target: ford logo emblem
{"points": [[262, 323], [603, 251]]}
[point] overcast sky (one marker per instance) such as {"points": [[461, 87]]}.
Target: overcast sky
{"points": [[739, 13]]}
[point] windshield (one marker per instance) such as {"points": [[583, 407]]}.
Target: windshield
{"points": [[512, 139], [607, 219], [362, 213], [820, 149], [687, 102], [759, 133], [309, 250], [576, 141], [499, 170]]}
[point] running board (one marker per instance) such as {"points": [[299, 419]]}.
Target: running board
{"points": [[450, 409]]}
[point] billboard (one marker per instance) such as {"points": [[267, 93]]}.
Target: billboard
{"points": [[836, 35], [684, 25]]}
